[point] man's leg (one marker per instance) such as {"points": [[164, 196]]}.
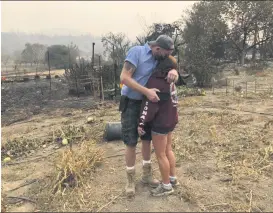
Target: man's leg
{"points": [[130, 156], [130, 136], [146, 150], [147, 177]]}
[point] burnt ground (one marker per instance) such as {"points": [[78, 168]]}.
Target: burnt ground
{"points": [[222, 143]]}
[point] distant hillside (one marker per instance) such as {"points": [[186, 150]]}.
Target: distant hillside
{"points": [[12, 42]]}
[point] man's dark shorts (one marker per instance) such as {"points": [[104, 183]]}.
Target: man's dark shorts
{"points": [[130, 111]]}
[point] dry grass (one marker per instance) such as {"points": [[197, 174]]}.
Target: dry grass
{"points": [[187, 91], [3, 203], [70, 132], [25, 145], [96, 131], [239, 149], [190, 101], [70, 186], [72, 166], [22, 146]]}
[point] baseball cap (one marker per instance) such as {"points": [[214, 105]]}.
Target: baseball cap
{"points": [[164, 42]]}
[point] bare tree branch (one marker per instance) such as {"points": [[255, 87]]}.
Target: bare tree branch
{"points": [[260, 42]]}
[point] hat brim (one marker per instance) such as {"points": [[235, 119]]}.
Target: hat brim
{"points": [[152, 43], [156, 44]]}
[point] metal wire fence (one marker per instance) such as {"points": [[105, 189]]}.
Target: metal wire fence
{"points": [[244, 87]]}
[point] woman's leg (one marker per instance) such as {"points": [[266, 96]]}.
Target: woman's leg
{"points": [[170, 155], [160, 145], [171, 158]]}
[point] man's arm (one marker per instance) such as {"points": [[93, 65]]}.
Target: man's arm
{"points": [[126, 78], [172, 76]]}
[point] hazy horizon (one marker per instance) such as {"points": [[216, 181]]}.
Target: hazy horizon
{"points": [[88, 17]]}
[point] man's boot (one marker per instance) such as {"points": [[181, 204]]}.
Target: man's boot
{"points": [[130, 186], [147, 177]]}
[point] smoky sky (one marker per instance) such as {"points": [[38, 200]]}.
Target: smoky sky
{"points": [[92, 17]]}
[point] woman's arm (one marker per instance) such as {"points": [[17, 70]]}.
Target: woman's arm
{"points": [[147, 114]]}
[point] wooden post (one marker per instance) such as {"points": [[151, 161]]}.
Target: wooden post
{"points": [[102, 92], [92, 69], [115, 68], [16, 73], [93, 86], [93, 55], [226, 86], [115, 79], [255, 85], [212, 88], [49, 70], [83, 62], [178, 60], [100, 81], [98, 85], [81, 71], [233, 87], [246, 88]]}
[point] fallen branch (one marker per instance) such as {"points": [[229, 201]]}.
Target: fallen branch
{"points": [[110, 201], [217, 204], [22, 198], [265, 167], [250, 201], [112, 156], [24, 184]]}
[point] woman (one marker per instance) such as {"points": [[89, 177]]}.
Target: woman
{"points": [[158, 120]]}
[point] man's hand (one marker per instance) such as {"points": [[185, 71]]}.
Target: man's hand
{"points": [[151, 94], [172, 76], [140, 131]]}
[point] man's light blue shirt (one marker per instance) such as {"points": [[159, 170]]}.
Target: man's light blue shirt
{"points": [[141, 57]]}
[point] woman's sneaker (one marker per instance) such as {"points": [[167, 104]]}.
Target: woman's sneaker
{"points": [[174, 182], [161, 191]]}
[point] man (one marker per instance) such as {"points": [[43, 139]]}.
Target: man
{"points": [[138, 67]]}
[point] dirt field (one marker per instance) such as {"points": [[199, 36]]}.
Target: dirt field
{"points": [[223, 145]]}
